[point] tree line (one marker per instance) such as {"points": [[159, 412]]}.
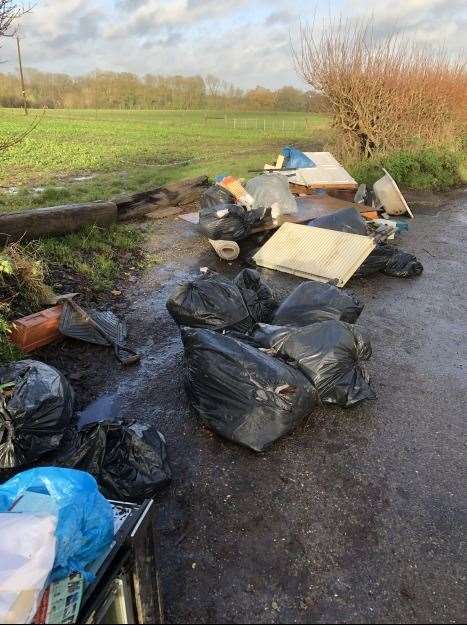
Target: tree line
{"points": [[124, 90]]}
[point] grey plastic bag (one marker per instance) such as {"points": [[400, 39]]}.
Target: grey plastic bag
{"points": [[272, 191]]}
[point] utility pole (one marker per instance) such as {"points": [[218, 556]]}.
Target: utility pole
{"points": [[23, 90]]}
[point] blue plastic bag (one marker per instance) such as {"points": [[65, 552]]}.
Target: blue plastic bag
{"points": [[85, 525], [296, 158]]}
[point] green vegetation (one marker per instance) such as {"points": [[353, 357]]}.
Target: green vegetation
{"points": [[426, 169], [95, 253], [90, 261]]}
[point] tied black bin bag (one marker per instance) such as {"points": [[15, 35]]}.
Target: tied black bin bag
{"points": [[221, 218], [241, 393], [129, 461], [390, 261], [211, 302], [257, 295], [314, 302], [36, 408], [329, 353]]}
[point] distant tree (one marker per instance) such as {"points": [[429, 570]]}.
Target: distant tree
{"points": [[290, 99]]}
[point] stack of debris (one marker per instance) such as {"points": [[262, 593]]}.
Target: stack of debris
{"points": [[255, 368]]}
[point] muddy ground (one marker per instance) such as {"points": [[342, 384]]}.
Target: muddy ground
{"points": [[359, 515]]}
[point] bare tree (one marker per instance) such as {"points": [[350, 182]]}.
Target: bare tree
{"points": [[10, 12], [382, 93]]}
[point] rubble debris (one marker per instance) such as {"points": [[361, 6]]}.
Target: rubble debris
{"points": [[345, 220], [240, 392], [102, 328], [34, 412], [315, 253], [271, 191], [391, 261], [312, 302], [85, 527], [39, 329], [329, 353], [388, 195], [129, 461]]}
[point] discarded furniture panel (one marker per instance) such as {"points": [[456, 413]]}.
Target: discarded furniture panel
{"points": [[315, 253], [55, 220], [39, 329], [327, 174], [388, 195]]}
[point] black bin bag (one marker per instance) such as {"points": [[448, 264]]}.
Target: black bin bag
{"points": [[313, 301], [330, 353], [210, 302], [129, 461], [390, 261], [257, 295], [241, 393], [221, 218], [345, 220], [36, 408]]}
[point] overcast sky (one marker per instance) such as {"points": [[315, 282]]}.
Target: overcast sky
{"points": [[243, 41]]}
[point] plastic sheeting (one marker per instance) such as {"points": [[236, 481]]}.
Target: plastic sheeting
{"points": [[242, 393], [85, 525], [33, 420]]}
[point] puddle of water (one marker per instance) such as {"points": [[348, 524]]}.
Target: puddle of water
{"points": [[105, 408]]}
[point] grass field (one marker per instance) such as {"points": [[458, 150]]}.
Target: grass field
{"points": [[130, 150]]}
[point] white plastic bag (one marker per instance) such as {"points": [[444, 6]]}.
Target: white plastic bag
{"points": [[27, 554], [272, 191]]}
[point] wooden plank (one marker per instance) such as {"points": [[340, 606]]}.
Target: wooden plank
{"points": [[54, 220]]}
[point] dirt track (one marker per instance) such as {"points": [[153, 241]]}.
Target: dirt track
{"points": [[357, 517]]}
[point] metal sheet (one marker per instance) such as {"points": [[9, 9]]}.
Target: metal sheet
{"points": [[315, 253], [327, 173]]}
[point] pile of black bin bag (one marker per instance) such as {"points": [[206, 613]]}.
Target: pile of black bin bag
{"points": [[255, 369]]}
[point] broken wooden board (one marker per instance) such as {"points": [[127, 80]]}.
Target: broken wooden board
{"points": [[309, 208], [55, 220], [315, 253], [171, 195]]}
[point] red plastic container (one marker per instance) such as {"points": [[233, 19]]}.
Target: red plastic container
{"points": [[37, 330]]}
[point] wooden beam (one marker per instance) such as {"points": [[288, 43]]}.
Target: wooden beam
{"points": [[54, 220]]}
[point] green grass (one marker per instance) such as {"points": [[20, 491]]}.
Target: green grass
{"points": [[428, 169], [130, 150], [97, 254]]}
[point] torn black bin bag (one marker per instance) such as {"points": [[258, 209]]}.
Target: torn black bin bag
{"points": [[391, 261], [241, 393], [313, 301], [221, 218], [211, 302], [257, 295], [36, 408], [345, 220], [330, 353], [129, 461]]}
